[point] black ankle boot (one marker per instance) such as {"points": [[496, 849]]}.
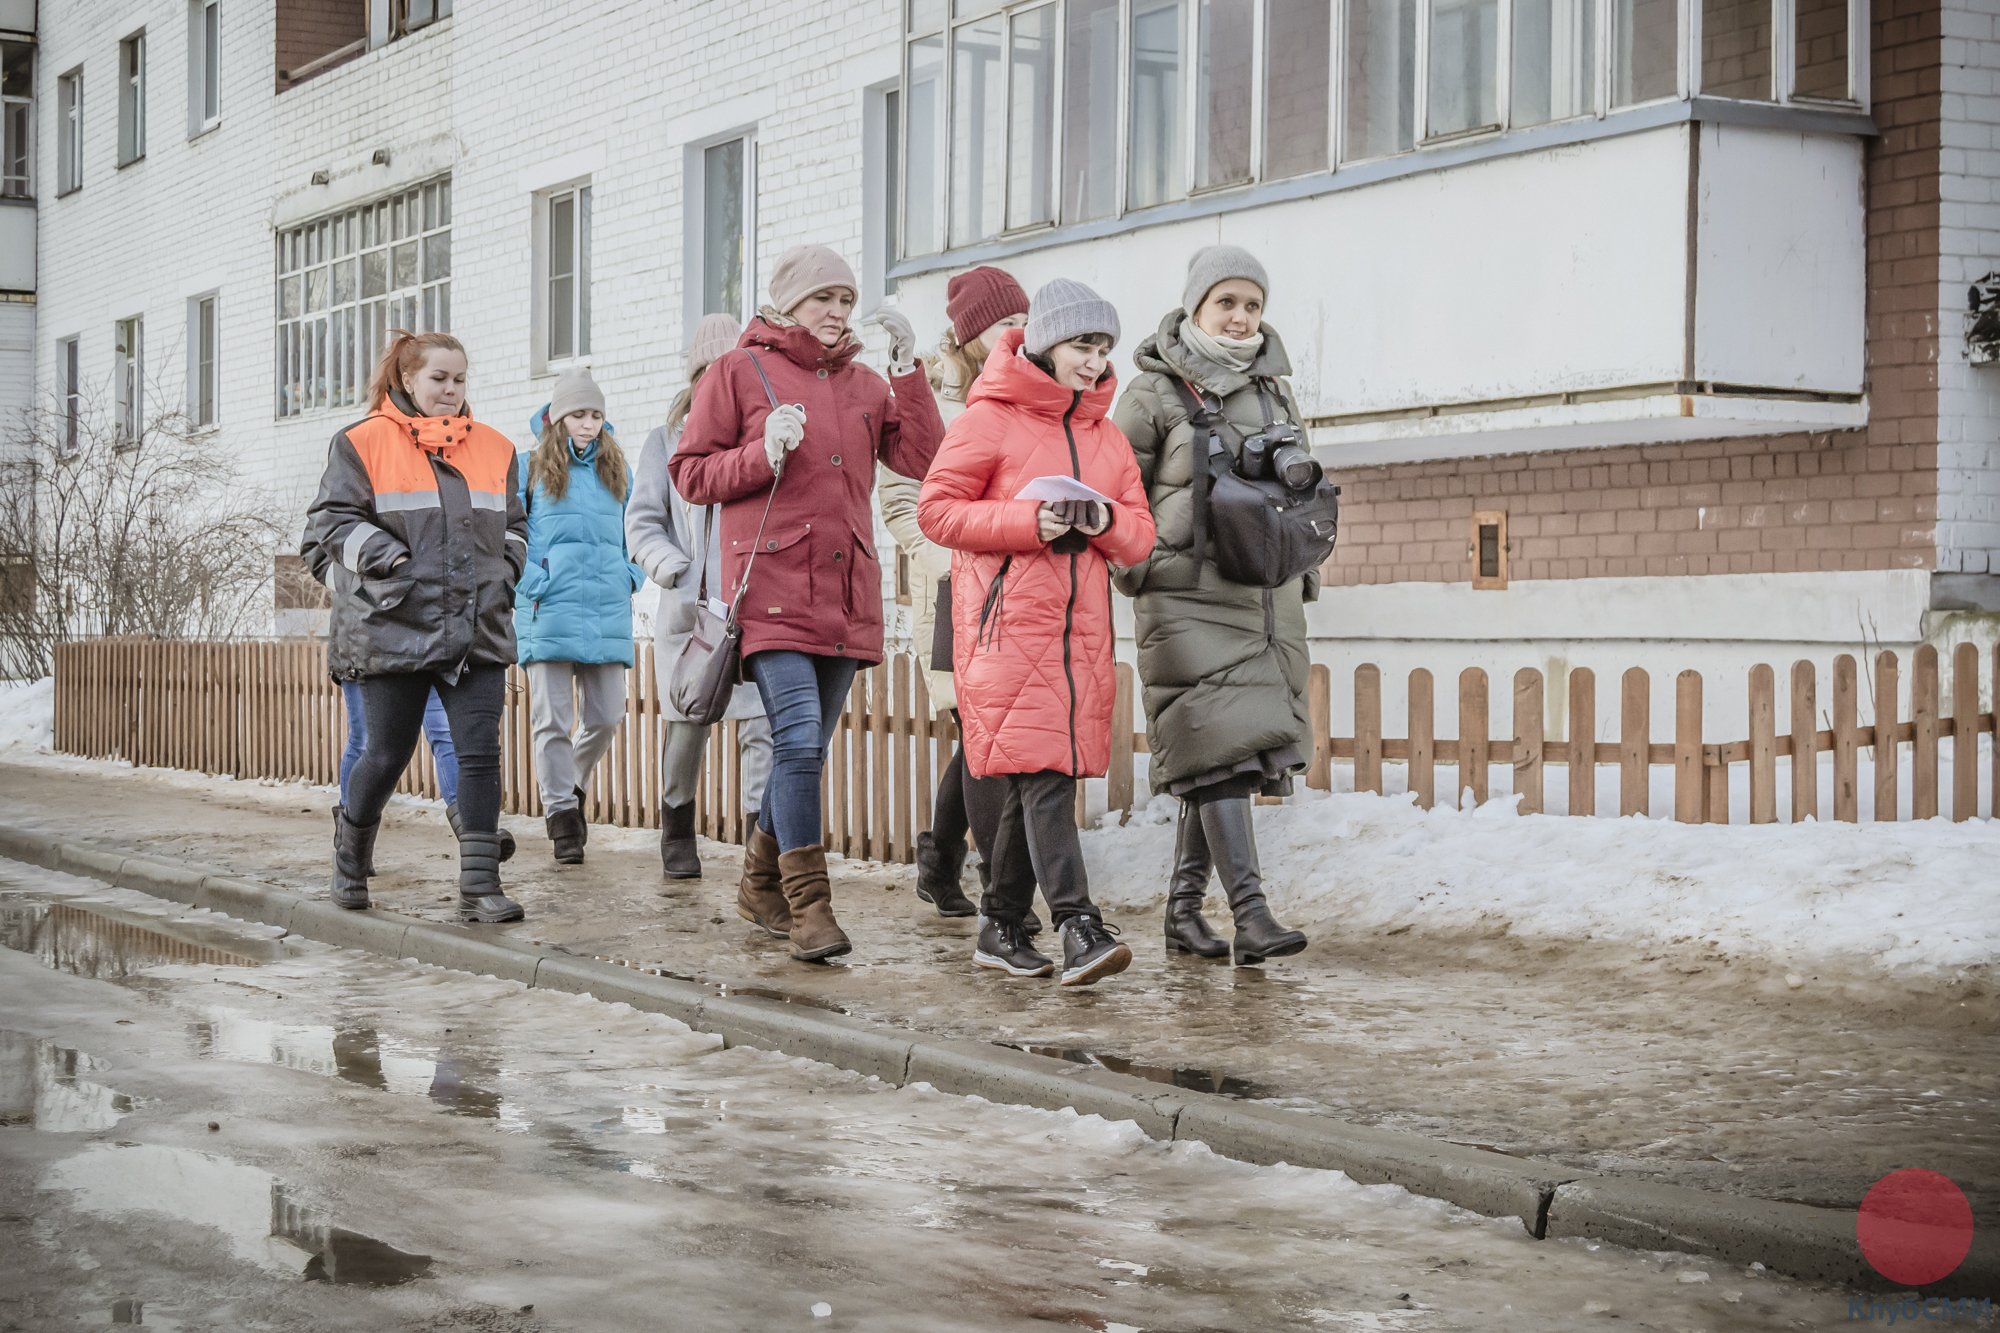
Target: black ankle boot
{"points": [[1233, 844], [939, 866], [566, 831], [353, 859], [678, 857], [479, 895], [1188, 930], [458, 831]]}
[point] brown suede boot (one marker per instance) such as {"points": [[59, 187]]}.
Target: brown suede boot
{"points": [[815, 934], [760, 896]]}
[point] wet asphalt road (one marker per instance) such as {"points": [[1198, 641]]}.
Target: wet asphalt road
{"points": [[206, 1127]]}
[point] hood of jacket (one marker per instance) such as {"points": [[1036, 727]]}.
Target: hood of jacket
{"points": [[1009, 377], [797, 344], [1167, 353]]}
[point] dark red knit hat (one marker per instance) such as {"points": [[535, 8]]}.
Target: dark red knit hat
{"points": [[979, 298]]}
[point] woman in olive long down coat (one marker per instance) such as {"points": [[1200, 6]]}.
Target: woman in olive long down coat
{"points": [[1223, 665]]}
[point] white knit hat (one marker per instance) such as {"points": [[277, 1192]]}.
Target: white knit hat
{"points": [[805, 269], [715, 335]]}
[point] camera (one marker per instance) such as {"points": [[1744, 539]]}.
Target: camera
{"points": [[1277, 452]]}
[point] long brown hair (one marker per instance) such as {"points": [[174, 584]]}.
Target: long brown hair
{"points": [[684, 401], [402, 357], [549, 468]]}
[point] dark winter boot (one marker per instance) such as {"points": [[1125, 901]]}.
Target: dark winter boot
{"points": [[567, 831], [760, 896], [938, 869], [479, 896], [1233, 844], [584, 836], [353, 859], [1004, 947], [1090, 952], [678, 857], [1030, 923], [458, 831], [1187, 929], [816, 936]]}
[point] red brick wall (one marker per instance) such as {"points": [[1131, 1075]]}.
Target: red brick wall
{"points": [[1863, 499]]}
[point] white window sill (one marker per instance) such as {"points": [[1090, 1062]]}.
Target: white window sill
{"points": [[202, 132]]}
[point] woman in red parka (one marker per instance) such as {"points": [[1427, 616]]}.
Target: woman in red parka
{"points": [[791, 408], [1031, 607]]}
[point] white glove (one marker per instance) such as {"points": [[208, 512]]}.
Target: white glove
{"points": [[783, 430], [902, 339]]}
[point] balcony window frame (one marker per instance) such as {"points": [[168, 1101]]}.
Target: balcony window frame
{"points": [[18, 110], [940, 23]]}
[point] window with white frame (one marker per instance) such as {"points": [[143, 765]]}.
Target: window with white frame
{"points": [[69, 131], [390, 19], [1024, 113], [344, 281], [204, 65], [563, 255], [17, 123], [724, 192], [69, 374], [202, 381], [128, 377], [132, 98]]}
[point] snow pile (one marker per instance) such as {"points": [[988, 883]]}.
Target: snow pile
{"points": [[27, 714], [1908, 897]]}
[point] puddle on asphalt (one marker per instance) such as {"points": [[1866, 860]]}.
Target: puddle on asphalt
{"points": [[43, 1087], [1187, 1076], [354, 1054], [94, 941], [258, 1218]]}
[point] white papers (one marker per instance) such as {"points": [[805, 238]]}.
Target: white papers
{"points": [[1054, 488]]}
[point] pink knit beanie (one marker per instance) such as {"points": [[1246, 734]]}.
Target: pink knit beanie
{"points": [[715, 335], [805, 269]]}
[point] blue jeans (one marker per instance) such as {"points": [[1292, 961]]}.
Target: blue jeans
{"points": [[803, 695], [437, 730]]}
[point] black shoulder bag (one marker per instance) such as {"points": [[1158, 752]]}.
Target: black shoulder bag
{"points": [[710, 665], [1265, 533]]}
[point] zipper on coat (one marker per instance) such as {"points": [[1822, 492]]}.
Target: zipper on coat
{"points": [[1270, 619], [1069, 610]]}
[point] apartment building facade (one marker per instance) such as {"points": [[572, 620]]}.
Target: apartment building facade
{"points": [[1634, 329]]}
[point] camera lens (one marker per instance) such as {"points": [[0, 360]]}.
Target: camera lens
{"points": [[1296, 468]]}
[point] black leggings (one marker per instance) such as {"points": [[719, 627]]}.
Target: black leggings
{"points": [[394, 706], [965, 802]]}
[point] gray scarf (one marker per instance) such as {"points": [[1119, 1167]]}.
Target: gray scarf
{"points": [[1228, 353]]}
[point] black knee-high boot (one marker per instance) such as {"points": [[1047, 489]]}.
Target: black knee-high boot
{"points": [[1188, 930], [1233, 844]]}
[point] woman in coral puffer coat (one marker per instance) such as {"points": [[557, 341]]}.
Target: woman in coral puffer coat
{"points": [[1031, 607]]}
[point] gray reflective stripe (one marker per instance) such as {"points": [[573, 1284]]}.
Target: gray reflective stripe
{"points": [[357, 537], [517, 537], [496, 500], [399, 502]]}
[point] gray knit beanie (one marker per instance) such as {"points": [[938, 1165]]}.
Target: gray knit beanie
{"points": [[1065, 309], [715, 335], [575, 390], [1219, 263]]}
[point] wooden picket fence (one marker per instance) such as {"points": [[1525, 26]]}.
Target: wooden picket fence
{"points": [[266, 709]]}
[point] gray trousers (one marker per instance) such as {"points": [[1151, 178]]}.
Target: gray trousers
{"points": [[564, 756], [687, 743]]}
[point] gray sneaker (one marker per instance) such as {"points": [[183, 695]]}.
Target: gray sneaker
{"points": [[1090, 953], [1004, 947]]}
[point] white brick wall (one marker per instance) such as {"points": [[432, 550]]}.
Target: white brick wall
{"points": [[498, 93], [1969, 248]]}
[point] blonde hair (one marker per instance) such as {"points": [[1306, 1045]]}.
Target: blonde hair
{"points": [[402, 357], [684, 401], [548, 469], [963, 361]]}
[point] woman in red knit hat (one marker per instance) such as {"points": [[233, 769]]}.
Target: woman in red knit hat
{"points": [[982, 303]]}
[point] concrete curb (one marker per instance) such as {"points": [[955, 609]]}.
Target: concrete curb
{"points": [[1549, 1199]]}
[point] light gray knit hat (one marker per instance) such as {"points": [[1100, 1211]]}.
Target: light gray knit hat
{"points": [[1065, 309], [805, 269], [575, 390], [1219, 263], [715, 335]]}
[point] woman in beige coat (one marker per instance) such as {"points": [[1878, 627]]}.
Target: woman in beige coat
{"points": [[982, 303]]}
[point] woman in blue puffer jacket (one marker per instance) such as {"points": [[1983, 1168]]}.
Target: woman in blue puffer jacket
{"points": [[573, 609]]}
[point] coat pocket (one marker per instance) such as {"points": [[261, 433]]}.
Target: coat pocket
{"points": [[862, 581], [781, 579], [384, 594]]}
